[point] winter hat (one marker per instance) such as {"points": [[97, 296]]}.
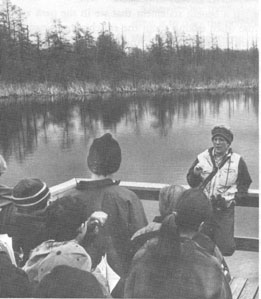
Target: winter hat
{"points": [[104, 155], [68, 282], [3, 165], [64, 253], [193, 207], [224, 132], [168, 198], [31, 194]]}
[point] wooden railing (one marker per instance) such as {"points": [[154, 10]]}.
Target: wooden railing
{"points": [[150, 191]]}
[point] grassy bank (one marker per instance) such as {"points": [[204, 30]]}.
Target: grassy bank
{"points": [[85, 88]]}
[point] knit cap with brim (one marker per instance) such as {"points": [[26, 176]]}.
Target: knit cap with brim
{"points": [[223, 132], [31, 194], [104, 155], [193, 208]]}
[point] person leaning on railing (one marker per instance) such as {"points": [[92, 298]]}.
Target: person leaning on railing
{"points": [[224, 177]]}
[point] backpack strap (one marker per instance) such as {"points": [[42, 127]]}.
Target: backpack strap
{"points": [[203, 185]]}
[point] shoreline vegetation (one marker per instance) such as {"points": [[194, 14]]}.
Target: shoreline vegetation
{"points": [[80, 64], [83, 89]]}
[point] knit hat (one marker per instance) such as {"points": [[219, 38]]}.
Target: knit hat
{"points": [[31, 194], [64, 253], [3, 165], [68, 282], [193, 207], [104, 155], [223, 132]]}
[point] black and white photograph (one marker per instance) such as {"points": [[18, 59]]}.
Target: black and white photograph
{"points": [[129, 149]]}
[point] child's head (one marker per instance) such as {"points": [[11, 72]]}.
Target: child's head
{"points": [[192, 208], [64, 218], [168, 198]]}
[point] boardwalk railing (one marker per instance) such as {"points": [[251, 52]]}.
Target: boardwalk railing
{"points": [[150, 191]]}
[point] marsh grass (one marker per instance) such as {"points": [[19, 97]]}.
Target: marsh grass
{"points": [[79, 88]]}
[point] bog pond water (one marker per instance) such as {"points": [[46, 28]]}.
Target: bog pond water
{"points": [[160, 135]]}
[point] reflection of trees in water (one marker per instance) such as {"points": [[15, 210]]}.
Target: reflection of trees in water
{"points": [[167, 108], [22, 124], [18, 130]]}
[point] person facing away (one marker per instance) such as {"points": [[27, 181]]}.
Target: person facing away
{"points": [[66, 227], [177, 266], [168, 199], [125, 211], [24, 218], [224, 177]]}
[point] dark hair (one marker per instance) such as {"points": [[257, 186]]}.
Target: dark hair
{"points": [[168, 198], [193, 207], [68, 282], [64, 217]]}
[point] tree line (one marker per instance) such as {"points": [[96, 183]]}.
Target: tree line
{"points": [[170, 57]]}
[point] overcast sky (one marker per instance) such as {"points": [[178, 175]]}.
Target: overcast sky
{"points": [[238, 18]]}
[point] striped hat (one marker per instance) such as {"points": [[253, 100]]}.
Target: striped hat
{"points": [[31, 194]]}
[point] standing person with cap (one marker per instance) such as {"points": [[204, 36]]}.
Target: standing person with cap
{"points": [[125, 211], [224, 177]]}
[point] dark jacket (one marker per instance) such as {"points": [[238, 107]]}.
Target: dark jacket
{"points": [[151, 231], [26, 230], [196, 274], [125, 216]]}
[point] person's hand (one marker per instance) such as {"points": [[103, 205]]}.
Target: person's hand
{"points": [[97, 218], [198, 170]]}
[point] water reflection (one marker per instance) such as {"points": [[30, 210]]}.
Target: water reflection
{"points": [[24, 122]]}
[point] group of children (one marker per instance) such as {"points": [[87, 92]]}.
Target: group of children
{"points": [[62, 247]]}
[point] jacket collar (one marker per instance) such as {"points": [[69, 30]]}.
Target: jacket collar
{"points": [[83, 185]]}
